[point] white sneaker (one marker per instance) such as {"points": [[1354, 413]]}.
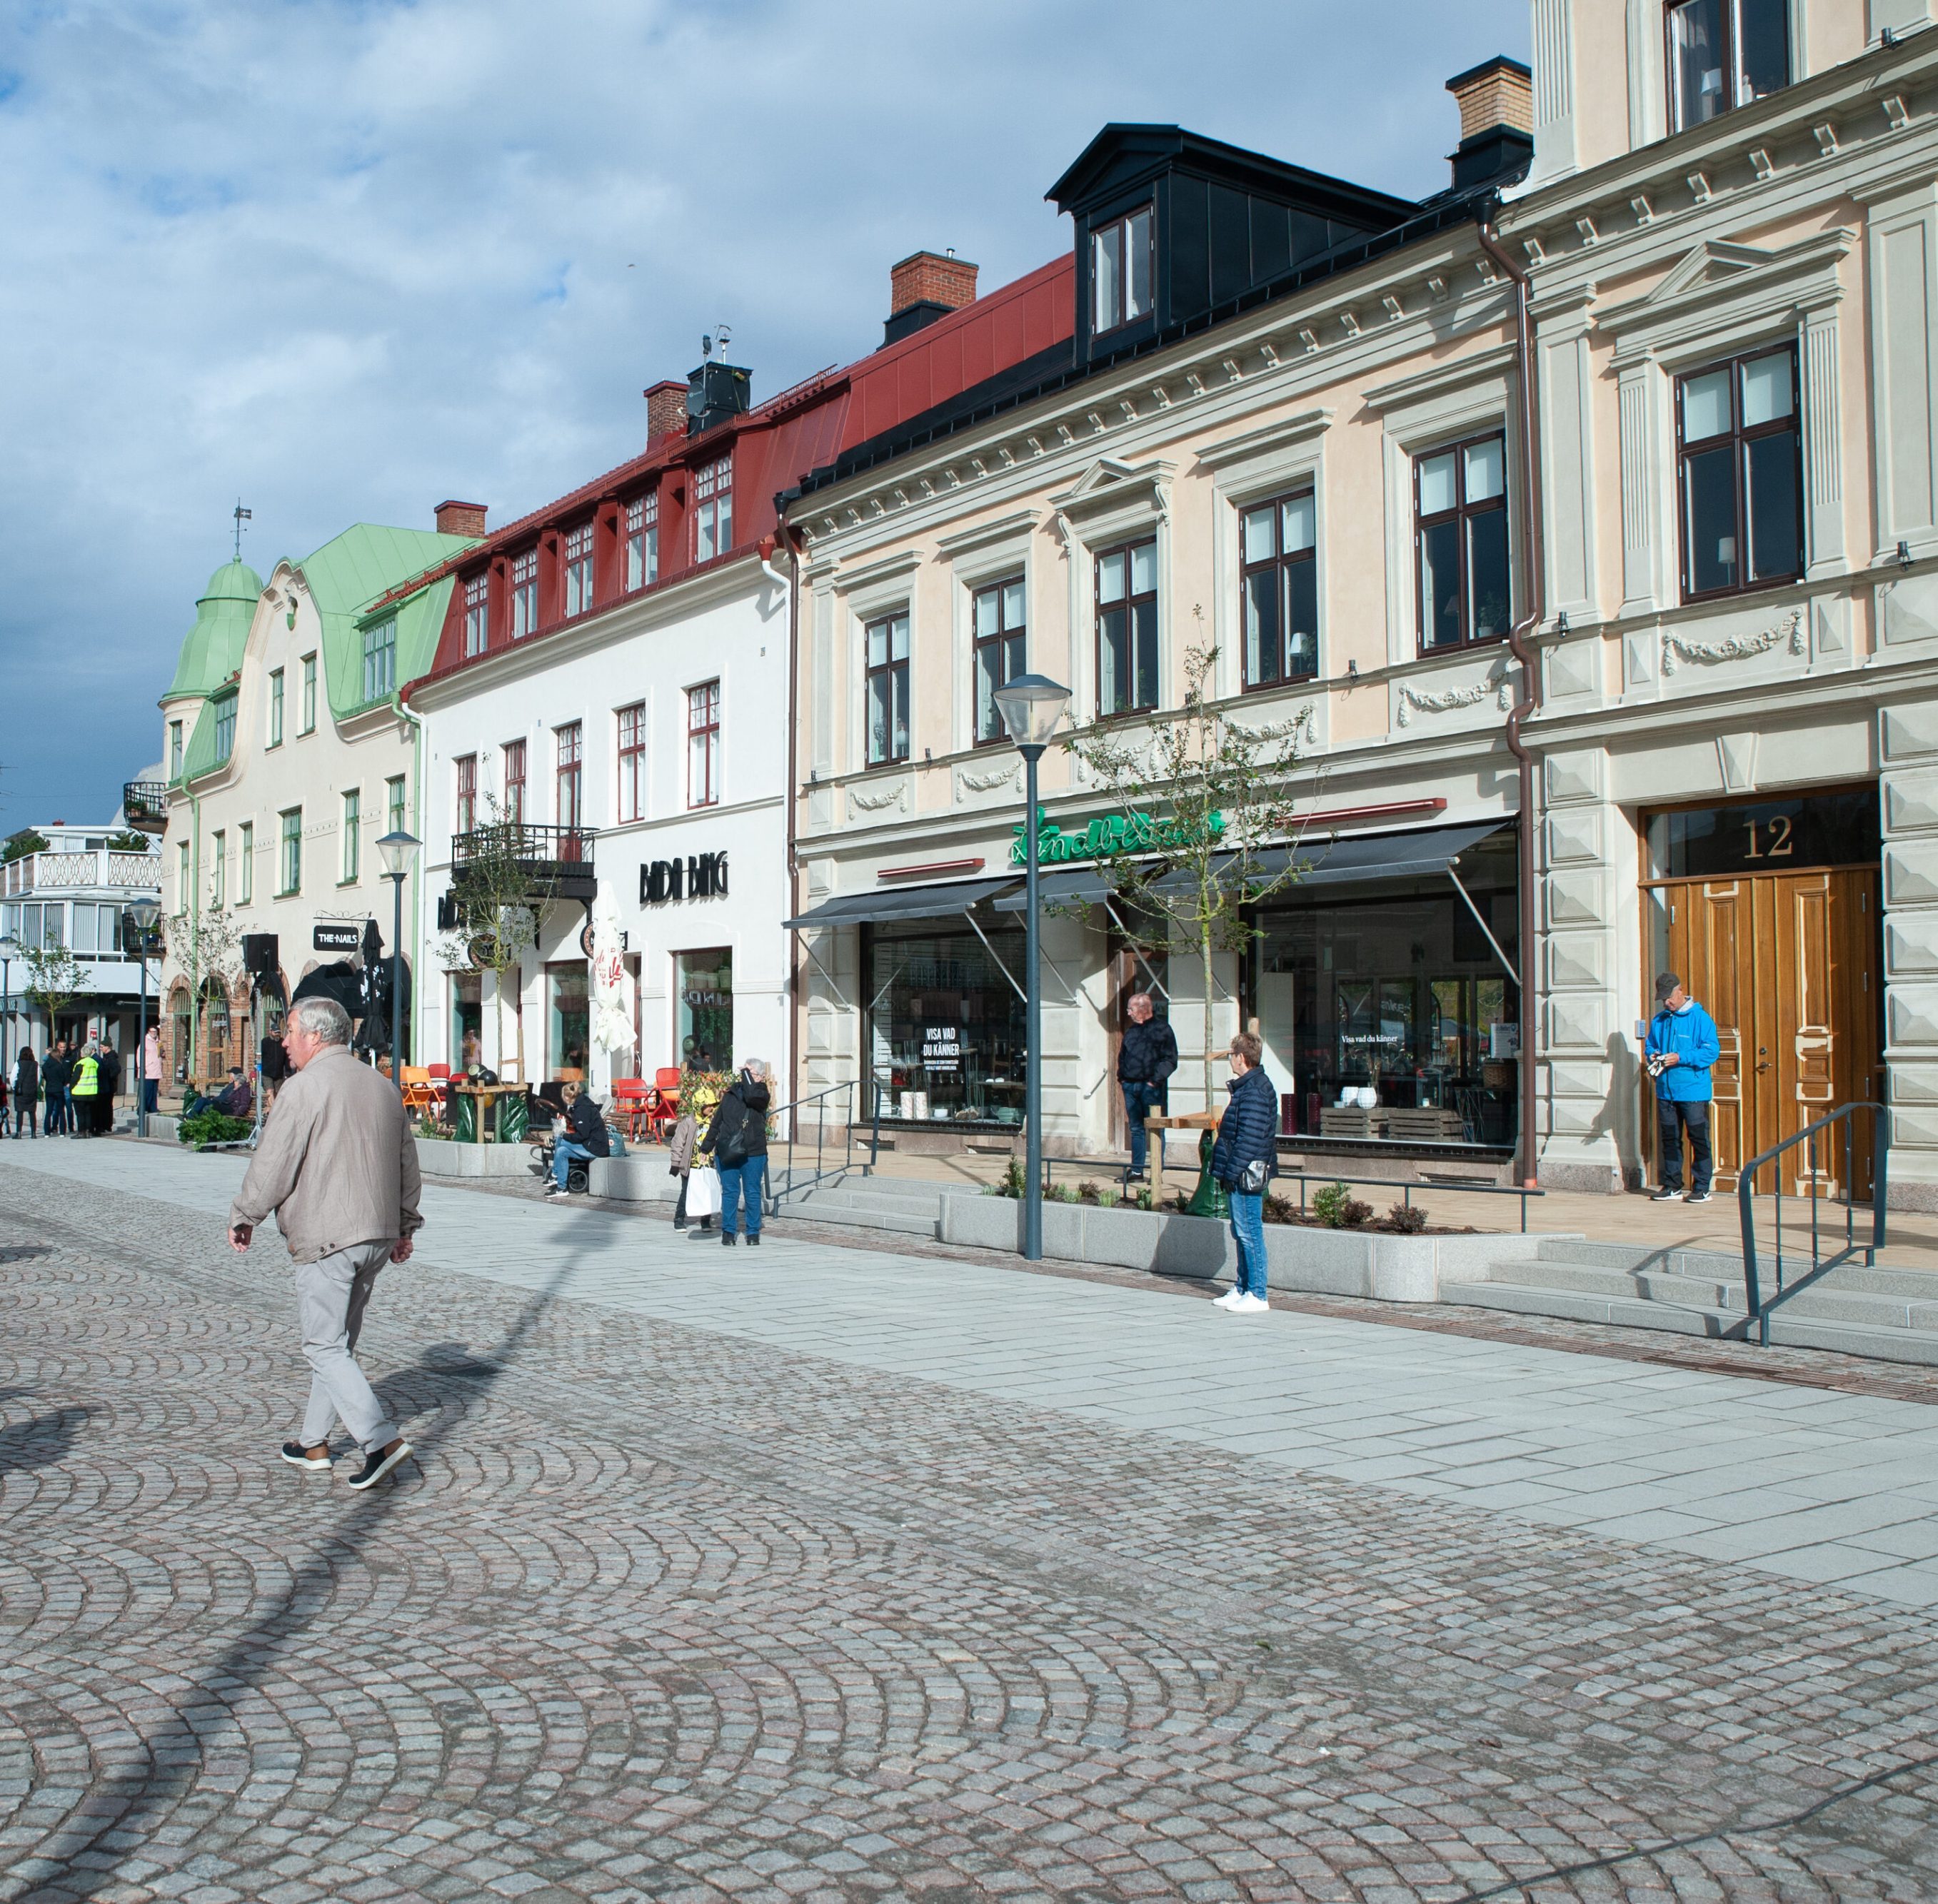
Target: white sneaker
{"points": [[1250, 1305], [1229, 1300]]}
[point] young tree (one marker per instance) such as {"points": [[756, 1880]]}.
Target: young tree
{"points": [[206, 946], [1202, 799], [55, 980], [493, 887]]}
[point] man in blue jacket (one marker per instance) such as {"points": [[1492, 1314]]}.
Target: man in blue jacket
{"points": [[1681, 1045]]}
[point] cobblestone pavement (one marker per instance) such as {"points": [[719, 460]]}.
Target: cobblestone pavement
{"points": [[664, 1610]]}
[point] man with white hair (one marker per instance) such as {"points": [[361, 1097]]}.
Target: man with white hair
{"points": [[338, 1166]]}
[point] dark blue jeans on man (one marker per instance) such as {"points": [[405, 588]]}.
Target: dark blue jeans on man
{"points": [[736, 1179], [1676, 1117], [53, 1115], [1248, 1231], [1140, 1101], [564, 1152]]}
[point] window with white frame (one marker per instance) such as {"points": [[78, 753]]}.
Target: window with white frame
{"points": [[579, 570], [886, 689], [998, 635], [524, 593], [1121, 270], [713, 509], [642, 541], [1741, 474], [477, 613], [703, 745], [1127, 628], [245, 863]]}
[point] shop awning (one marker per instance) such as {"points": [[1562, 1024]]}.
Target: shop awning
{"points": [[948, 900], [1422, 853], [1076, 886]]}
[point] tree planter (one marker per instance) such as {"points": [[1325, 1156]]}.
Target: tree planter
{"points": [[442, 1157], [1319, 1263], [635, 1179]]}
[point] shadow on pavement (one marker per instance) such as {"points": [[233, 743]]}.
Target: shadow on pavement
{"points": [[41, 1441], [128, 1802]]}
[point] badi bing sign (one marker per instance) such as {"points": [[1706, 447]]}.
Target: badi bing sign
{"points": [[699, 875]]}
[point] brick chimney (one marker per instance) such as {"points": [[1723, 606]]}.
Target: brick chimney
{"points": [[460, 518], [666, 410], [1496, 101], [924, 287]]}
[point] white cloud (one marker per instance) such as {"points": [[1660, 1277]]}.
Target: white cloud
{"points": [[347, 258]]}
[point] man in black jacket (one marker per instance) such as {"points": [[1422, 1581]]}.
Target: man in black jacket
{"points": [[583, 1135], [1145, 1062], [109, 1070], [55, 1073]]}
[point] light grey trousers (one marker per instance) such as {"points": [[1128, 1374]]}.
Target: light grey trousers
{"points": [[332, 1294]]}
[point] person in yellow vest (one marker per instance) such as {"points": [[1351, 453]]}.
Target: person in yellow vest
{"points": [[84, 1088]]}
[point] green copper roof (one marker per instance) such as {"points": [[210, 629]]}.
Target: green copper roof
{"points": [[212, 650], [202, 753], [349, 573]]}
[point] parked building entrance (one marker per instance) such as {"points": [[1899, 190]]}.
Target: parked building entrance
{"points": [[1768, 911]]}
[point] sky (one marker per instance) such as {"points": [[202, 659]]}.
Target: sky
{"points": [[342, 259]]}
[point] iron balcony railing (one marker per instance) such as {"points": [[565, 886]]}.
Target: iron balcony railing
{"points": [[1758, 1306], [556, 861], [145, 805]]}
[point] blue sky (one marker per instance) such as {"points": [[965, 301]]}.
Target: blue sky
{"points": [[345, 258]]}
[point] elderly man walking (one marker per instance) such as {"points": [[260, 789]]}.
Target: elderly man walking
{"points": [[338, 1166]]}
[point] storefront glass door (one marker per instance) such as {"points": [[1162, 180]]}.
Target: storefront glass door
{"points": [[706, 1009], [568, 1020]]}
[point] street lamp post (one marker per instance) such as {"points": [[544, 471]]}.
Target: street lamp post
{"points": [[144, 913], [1031, 705], [397, 850], [10, 950]]}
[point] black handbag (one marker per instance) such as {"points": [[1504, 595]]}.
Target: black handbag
{"points": [[730, 1151]]}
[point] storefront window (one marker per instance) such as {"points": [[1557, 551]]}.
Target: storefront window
{"points": [[946, 1026], [570, 1021], [706, 1010], [467, 1017], [1400, 993]]}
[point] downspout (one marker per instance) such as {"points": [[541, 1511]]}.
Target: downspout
{"points": [[416, 726], [793, 587], [1529, 701]]}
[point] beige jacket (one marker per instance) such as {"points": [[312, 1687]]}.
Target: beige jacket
{"points": [[337, 1162]]}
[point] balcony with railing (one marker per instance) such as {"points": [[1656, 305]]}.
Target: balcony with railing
{"points": [[555, 862], [144, 805], [104, 870]]}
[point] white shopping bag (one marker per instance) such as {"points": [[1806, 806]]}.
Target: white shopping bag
{"points": [[703, 1192]]}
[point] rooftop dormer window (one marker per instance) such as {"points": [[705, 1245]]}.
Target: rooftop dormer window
{"points": [[1122, 270], [577, 570], [1724, 53]]}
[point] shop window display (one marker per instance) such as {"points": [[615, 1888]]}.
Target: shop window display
{"points": [[706, 1014], [569, 1029], [946, 1029], [1402, 995]]}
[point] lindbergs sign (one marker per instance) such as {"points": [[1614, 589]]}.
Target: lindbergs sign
{"points": [[1111, 833]]}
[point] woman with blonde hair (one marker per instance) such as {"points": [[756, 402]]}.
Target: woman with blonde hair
{"points": [[736, 1141]]}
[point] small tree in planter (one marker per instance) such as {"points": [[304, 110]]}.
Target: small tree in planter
{"points": [[206, 946], [1223, 793]]}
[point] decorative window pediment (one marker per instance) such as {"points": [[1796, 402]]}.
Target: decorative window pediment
{"points": [[1109, 484]]}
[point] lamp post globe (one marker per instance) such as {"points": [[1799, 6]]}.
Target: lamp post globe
{"points": [[397, 850], [1031, 704]]}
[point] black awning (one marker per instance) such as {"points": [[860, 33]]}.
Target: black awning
{"points": [[1424, 852], [948, 900], [1075, 886]]}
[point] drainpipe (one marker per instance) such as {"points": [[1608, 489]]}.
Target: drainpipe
{"points": [[1530, 680], [404, 716], [793, 587]]}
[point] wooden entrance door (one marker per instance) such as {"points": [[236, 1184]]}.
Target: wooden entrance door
{"points": [[1787, 965]]}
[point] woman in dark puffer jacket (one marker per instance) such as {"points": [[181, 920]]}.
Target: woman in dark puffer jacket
{"points": [[1244, 1159]]}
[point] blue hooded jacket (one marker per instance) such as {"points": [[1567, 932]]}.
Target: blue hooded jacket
{"points": [[1691, 1034]]}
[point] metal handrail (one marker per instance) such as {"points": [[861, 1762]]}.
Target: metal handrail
{"points": [[1757, 1312], [780, 1189]]}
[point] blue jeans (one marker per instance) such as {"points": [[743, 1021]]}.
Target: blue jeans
{"points": [[562, 1152], [1248, 1229], [1140, 1101], [733, 1178]]}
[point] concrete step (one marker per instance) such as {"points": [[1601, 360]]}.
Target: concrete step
{"points": [[1906, 1298]]}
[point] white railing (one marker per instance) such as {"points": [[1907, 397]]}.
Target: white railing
{"points": [[37, 871]]}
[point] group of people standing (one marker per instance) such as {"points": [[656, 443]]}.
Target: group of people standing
{"points": [[73, 1088]]}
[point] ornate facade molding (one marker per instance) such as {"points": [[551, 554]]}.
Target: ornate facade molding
{"points": [[972, 780], [876, 799], [1412, 700], [1732, 648]]}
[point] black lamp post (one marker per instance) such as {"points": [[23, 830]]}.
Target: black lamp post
{"points": [[10, 950], [144, 912], [1031, 705], [397, 851]]}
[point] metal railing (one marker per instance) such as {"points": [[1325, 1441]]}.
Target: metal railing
{"points": [[1757, 1310], [794, 1181], [547, 854], [144, 803]]}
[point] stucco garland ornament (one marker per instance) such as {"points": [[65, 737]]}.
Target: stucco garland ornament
{"points": [[874, 802], [611, 1023], [1410, 700], [1733, 647], [970, 781]]}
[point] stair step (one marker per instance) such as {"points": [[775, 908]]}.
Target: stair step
{"points": [[863, 1216], [841, 1198], [1833, 1300]]}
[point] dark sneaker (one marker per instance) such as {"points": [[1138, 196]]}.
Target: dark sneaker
{"points": [[553, 1194], [1669, 1193], [729, 1238], [753, 1239], [379, 1464], [1700, 1196], [297, 1456]]}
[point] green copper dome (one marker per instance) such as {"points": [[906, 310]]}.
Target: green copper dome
{"points": [[213, 649]]}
